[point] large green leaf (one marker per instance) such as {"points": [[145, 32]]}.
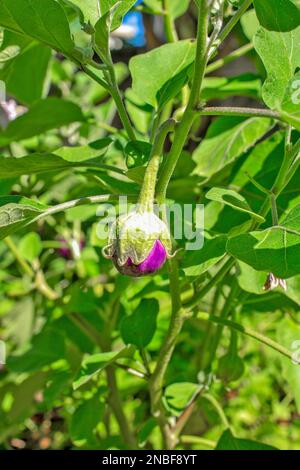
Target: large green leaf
{"points": [[152, 70], [226, 140], [278, 15], [44, 20], [229, 442], [139, 328], [51, 113], [94, 364], [275, 250], [285, 48]]}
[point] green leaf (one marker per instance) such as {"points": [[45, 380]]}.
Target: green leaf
{"points": [[45, 21], [42, 353], [290, 107], [251, 280], [101, 38], [51, 113], [197, 263], [179, 395], [30, 247], [275, 250], [288, 334], [89, 9], [152, 70], [35, 57], [139, 328], [285, 47], [278, 15], [229, 442], [250, 24], [93, 365], [86, 156], [233, 199], [137, 153], [23, 402], [176, 7], [222, 87], [85, 419], [226, 140], [17, 212], [118, 10]]}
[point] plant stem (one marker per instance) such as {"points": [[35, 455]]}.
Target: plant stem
{"points": [[146, 198], [193, 302], [233, 21], [224, 314], [252, 333], [22, 262], [114, 90], [218, 408], [79, 202], [116, 94], [229, 58], [166, 351], [170, 30], [184, 127], [198, 441], [236, 111], [38, 277]]}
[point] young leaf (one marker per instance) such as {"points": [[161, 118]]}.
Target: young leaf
{"points": [[51, 113], [139, 328], [229, 442], [232, 199], [152, 70]]}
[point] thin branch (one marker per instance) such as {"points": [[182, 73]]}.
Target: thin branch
{"points": [[252, 334], [237, 111]]}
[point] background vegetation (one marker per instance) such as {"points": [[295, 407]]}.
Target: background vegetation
{"points": [[100, 361]]}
